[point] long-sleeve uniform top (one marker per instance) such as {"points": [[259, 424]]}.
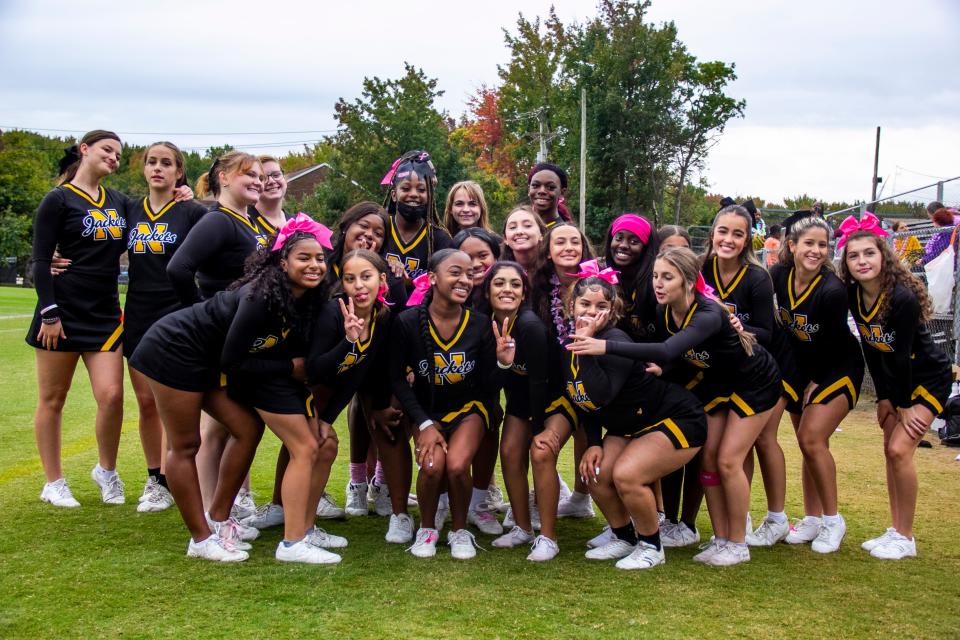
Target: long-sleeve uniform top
{"points": [[526, 385], [415, 254]]}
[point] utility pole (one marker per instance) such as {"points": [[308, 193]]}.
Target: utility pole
{"points": [[583, 159], [542, 119], [876, 162]]}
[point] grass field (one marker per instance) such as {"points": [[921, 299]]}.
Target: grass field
{"points": [[102, 571]]}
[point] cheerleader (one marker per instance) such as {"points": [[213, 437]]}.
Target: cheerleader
{"points": [[707, 348], [414, 232], [563, 248], [211, 258], [450, 351], [245, 332], [268, 211], [546, 185], [732, 270], [911, 374], [812, 303], [653, 427], [523, 232], [78, 314], [466, 208]]}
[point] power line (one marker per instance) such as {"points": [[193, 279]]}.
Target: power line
{"points": [[178, 133]]}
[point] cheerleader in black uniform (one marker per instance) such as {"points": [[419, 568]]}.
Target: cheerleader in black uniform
{"points": [[450, 351], [157, 226], [546, 185], [268, 212], [744, 286], [539, 419], [466, 208], [212, 257], [78, 313], [562, 250], [653, 427], [415, 231], [708, 349], [911, 374], [246, 333], [523, 233], [812, 303]]}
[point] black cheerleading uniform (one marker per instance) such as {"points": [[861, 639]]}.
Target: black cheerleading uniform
{"points": [[616, 392], [749, 296], [464, 368], [415, 254], [530, 396], [152, 239], [338, 364], [228, 334], [714, 364], [261, 221], [214, 253], [825, 350], [906, 366], [91, 233], [639, 311]]}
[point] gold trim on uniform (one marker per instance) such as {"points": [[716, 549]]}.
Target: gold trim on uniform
{"points": [[446, 346], [721, 289], [845, 381], [686, 319], [242, 219], [671, 427], [405, 249], [790, 391], [112, 340], [921, 392], [155, 216], [83, 194], [562, 403], [867, 317], [795, 302], [473, 404]]}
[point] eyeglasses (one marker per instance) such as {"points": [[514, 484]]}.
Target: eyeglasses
{"points": [[276, 175]]}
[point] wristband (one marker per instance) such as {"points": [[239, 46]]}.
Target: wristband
{"points": [[425, 425], [49, 311], [50, 320], [504, 366]]}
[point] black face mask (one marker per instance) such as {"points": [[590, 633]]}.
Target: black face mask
{"points": [[412, 213]]}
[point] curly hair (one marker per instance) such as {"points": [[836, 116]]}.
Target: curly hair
{"points": [[593, 283], [544, 271], [271, 284], [892, 271]]}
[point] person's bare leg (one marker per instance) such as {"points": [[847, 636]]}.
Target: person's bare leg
{"points": [[54, 376]]}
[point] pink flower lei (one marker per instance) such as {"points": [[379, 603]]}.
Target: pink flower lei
{"points": [[563, 327]]}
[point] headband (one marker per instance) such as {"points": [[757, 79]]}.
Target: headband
{"points": [[637, 225]]}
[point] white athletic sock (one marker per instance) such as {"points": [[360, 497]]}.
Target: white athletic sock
{"points": [[478, 496], [834, 519], [103, 473], [576, 497], [777, 516]]}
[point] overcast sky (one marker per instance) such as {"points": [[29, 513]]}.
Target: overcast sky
{"points": [[818, 76]]}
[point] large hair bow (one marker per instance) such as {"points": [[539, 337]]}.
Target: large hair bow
{"points": [[303, 223], [591, 269], [867, 222], [388, 177], [421, 284], [703, 288]]}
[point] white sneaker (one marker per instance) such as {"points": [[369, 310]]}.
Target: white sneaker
{"points": [[729, 555], [678, 535], [425, 546], [243, 505], [565, 491], [485, 521], [707, 550], [769, 533], [327, 509], [604, 537], [266, 516], [611, 551], [303, 551], [644, 556], [803, 531], [508, 520], [400, 530], [320, 538], [495, 501], [381, 499], [897, 547], [111, 486], [869, 545], [462, 544], [830, 536], [58, 494], [156, 497], [232, 532], [543, 549], [357, 499], [443, 510], [213, 548], [513, 538], [577, 505]]}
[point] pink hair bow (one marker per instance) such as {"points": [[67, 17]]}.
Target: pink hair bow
{"points": [[867, 222], [591, 269], [388, 177], [306, 224], [382, 297], [421, 284], [703, 288]]}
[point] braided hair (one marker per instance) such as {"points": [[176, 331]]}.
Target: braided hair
{"points": [[423, 318], [416, 162]]}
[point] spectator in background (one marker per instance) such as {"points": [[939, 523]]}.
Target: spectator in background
{"points": [[906, 247], [771, 246], [759, 226], [932, 208], [817, 209], [942, 217]]}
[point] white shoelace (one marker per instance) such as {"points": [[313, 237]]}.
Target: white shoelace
{"points": [[114, 488]]}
